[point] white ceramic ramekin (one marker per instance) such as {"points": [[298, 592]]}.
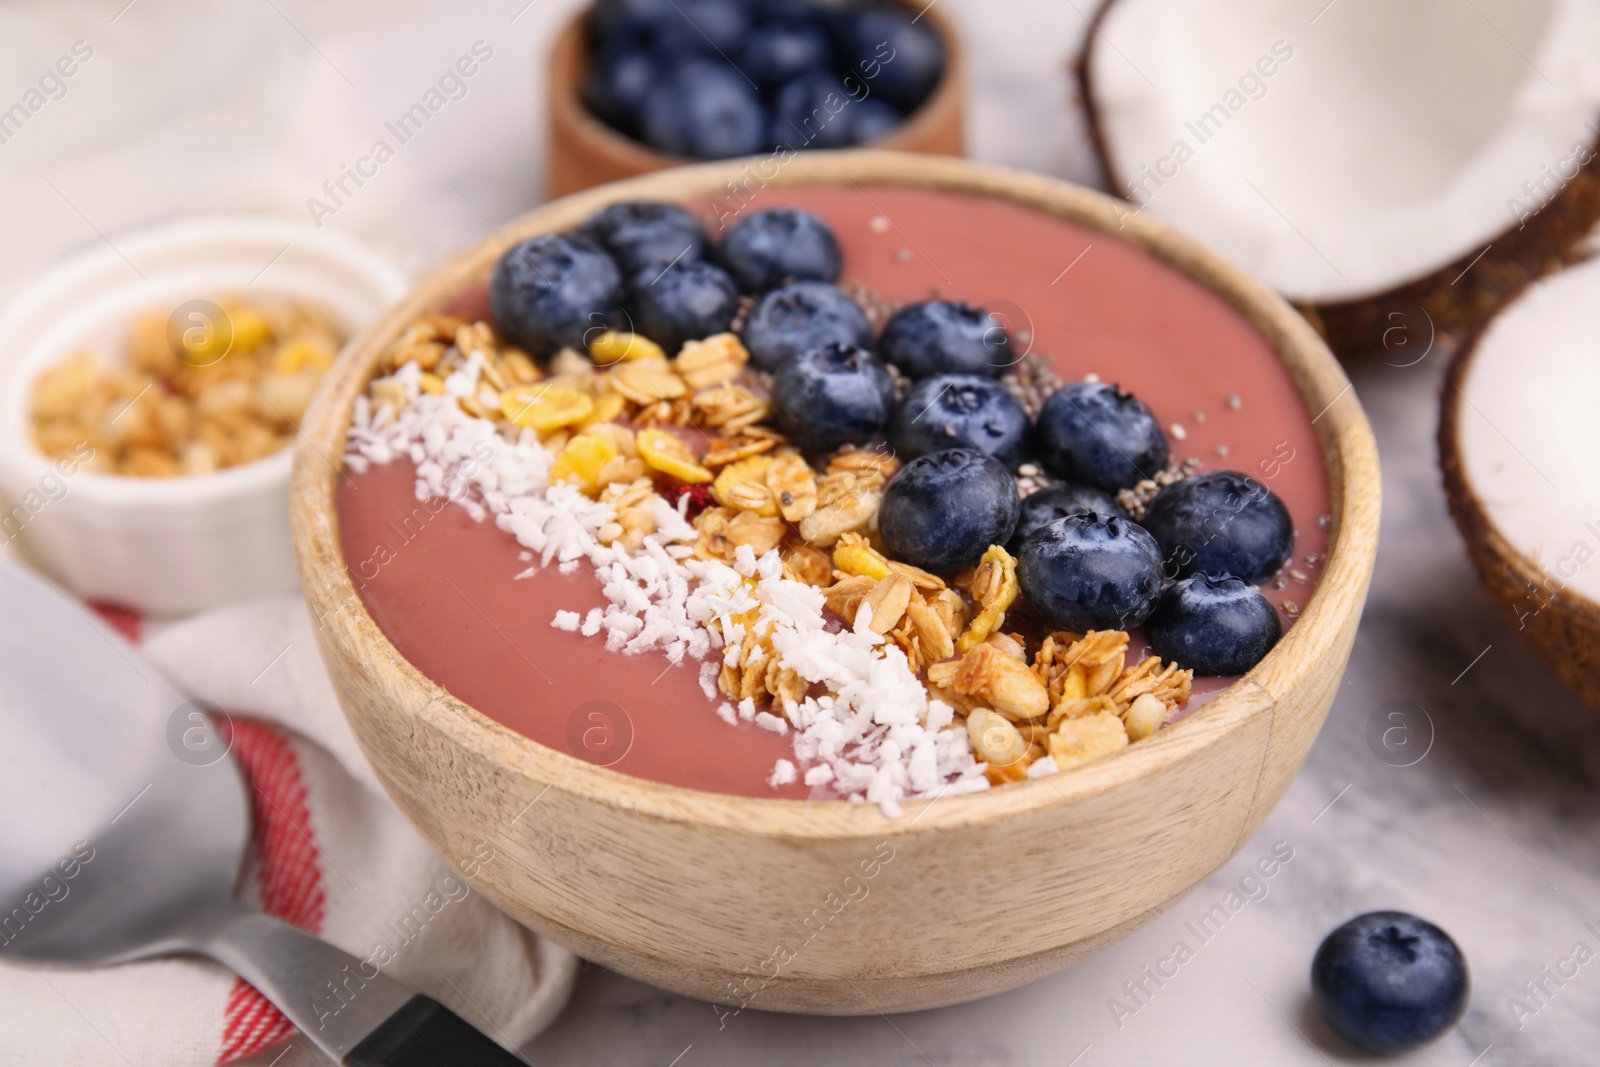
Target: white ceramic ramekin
{"points": [[171, 545]]}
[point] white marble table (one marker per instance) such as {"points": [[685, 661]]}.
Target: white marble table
{"points": [[1494, 833]]}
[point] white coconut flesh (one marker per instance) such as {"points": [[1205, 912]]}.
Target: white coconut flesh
{"points": [[1528, 427], [1340, 149]]}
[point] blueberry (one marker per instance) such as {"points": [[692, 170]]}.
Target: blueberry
{"points": [[1221, 522], [1096, 434], [945, 337], [614, 20], [960, 411], [1091, 572], [1214, 625], [832, 396], [901, 59], [647, 233], [547, 292], [1059, 501], [767, 248], [942, 511], [813, 111], [872, 120], [684, 302], [1388, 982], [717, 27], [704, 109], [617, 84], [799, 317], [777, 52]]}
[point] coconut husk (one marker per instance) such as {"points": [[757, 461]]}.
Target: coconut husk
{"points": [[1445, 307], [1561, 626]]}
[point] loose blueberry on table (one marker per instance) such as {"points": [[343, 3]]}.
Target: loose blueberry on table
{"points": [[716, 78], [888, 485], [1388, 982]]}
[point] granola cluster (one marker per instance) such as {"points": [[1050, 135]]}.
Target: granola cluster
{"points": [[189, 401], [627, 425]]}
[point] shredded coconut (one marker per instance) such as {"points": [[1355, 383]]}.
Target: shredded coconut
{"points": [[874, 735]]}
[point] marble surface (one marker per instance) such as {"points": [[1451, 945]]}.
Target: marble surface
{"points": [[1492, 831]]}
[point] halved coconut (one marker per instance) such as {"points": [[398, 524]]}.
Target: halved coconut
{"points": [[1376, 162], [1519, 442]]}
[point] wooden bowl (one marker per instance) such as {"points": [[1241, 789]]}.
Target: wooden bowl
{"points": [[585, 152], [694, 891]]}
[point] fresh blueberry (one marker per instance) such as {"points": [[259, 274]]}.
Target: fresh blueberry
{"points": [[716, 27], [777, 52], [547, 292], [617, 84], [684, 302], [800, 317], [1388, 982], [942, 511], [813, 110], [872, 120], [767, 248], [898, 56], [1213, 625], [832, 396], [945, 337], [1057, 502], [960, 411], [647, 233], [1221, 522], [704, 109], [1091, 572], [1095, 434], [615, 20]]}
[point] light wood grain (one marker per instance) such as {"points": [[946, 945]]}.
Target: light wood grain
{"points": [[585, 152], [693, 891]]}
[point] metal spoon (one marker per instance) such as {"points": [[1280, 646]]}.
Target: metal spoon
{"points": [[123, 823]]}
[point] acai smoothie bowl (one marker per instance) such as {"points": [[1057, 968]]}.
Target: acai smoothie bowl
{"points": [[860, 587]]}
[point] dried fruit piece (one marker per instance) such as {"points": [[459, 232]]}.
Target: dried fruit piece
{"points": [[994, 587], [1083, 740], [607, 406], [617, 346], [743, 485], [543, 407], [716, 360], [666, 452], [582, 460]]}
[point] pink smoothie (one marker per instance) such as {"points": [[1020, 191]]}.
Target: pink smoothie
{"points": [[441, 585]]}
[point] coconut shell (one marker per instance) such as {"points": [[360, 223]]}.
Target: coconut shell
{"points": [[1562, 626], [1447, 306]]}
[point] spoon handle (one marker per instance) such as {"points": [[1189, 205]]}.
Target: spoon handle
{"points": [[347, 1007]]}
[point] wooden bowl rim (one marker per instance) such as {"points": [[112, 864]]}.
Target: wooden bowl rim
{"points": [[569, 53], [1349, 454]]}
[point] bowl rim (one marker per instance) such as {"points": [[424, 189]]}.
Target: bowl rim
{"points": [[170, 242], [570, 57], [1346, 441]]}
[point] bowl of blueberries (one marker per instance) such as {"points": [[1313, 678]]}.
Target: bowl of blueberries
{"points": [[642, 85]]}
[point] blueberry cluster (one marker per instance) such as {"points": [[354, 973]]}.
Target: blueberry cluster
{"points": [[711, 79], [1187, 571]]}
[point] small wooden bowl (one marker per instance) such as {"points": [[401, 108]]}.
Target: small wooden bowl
{"points": [[695, 891], [585, 152]]}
